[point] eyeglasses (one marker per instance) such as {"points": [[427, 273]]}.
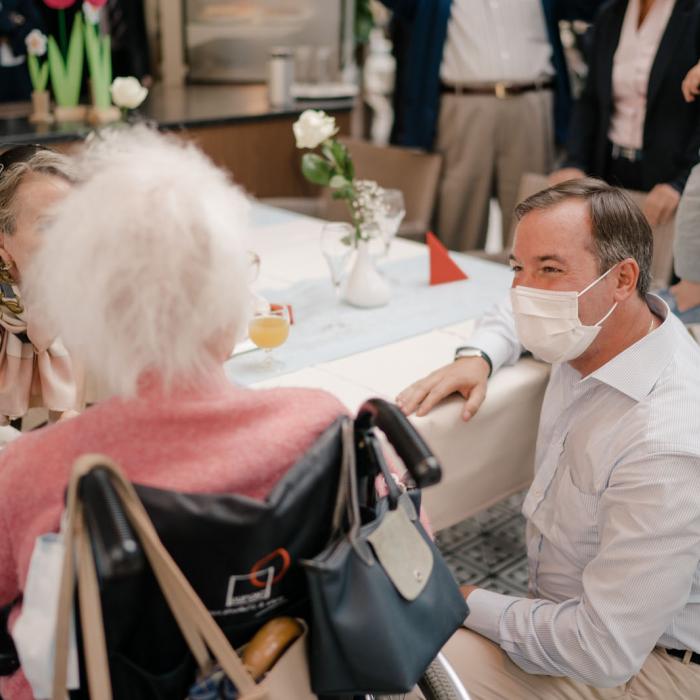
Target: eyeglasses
{"points": [[19, 154]]}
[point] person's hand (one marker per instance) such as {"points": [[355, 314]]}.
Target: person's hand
{"points": [[467, 589], [468, 376], [660, 204], [690, 87], [564, 174], [686, 294]]}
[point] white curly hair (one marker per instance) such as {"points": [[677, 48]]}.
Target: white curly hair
{"points": [[144, 267]]}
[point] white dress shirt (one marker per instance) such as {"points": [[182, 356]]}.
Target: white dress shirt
{"points": [[491, 41], [613, 513]]}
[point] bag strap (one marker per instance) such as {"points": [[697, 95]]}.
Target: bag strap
{"points": [[347, 502], [65, 594], [198, 627]]}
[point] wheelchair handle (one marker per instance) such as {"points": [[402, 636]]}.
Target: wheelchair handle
{"points": [[116, 548], [409, 445]]}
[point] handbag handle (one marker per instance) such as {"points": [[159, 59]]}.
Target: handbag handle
{"points": [[199, 629]]}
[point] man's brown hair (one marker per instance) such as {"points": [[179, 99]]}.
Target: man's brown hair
{"points": [[618, 227]]}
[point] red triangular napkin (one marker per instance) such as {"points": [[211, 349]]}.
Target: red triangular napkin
{"points": [[442, 267]]}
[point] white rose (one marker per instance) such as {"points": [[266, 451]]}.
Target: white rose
{"points": [[313, 127], [36, 42], [128, 92], [92, 13]]}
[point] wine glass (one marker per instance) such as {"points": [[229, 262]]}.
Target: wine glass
{"points": [[268, 329], [390, 215], [337, 243], [253, 266]]}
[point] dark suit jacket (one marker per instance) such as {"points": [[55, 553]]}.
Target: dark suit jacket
{"points": [[671, 126]]}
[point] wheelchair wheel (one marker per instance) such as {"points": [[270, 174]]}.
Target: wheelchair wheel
{"points": [[439, 682]]}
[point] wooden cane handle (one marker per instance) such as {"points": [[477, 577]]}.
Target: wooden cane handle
{"points": [[268, 644]]}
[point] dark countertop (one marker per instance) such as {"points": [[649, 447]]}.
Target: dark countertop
{"points": [[170, 108]]}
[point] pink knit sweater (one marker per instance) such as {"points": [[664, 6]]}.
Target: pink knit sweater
{"points": [[219, 438]]}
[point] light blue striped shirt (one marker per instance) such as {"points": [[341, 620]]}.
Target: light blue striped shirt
{"points": [[613, 513]]}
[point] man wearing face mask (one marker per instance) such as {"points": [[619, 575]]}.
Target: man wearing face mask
{"points": [[613, 513]]}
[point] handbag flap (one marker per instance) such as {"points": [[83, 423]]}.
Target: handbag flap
{"points": [[402, 552]]}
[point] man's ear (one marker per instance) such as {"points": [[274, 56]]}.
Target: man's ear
{"points": [[627, 276]]}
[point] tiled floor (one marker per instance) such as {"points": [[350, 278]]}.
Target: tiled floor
{"points": [[489, 549]]}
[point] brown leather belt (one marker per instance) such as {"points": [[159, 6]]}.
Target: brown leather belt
{"points": [[500, 90]]}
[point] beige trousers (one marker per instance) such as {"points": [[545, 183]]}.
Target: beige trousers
{"points": [[487, 144], [488, 674]]}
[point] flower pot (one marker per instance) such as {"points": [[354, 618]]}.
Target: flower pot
{"points": [[76, 113], [41, 107], [365, 286], [104, 115]]}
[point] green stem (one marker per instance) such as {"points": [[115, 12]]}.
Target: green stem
{"points": [[63, 33]]}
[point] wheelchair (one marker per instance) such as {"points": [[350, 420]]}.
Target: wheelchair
{"points": [[239, 554]]}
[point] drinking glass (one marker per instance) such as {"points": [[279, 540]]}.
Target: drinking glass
{"points": [[253, 266], [337, 243], [390, 215], [268, 329]]}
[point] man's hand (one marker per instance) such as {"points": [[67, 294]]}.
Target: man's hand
{"points": [[686, 294], [468, 376], [660, 204], [690, 87], [564, 174]]}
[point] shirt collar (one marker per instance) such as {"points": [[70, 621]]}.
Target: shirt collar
{"points": [[635, 370]]}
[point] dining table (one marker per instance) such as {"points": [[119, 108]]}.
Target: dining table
{"points": [[359, 353]]}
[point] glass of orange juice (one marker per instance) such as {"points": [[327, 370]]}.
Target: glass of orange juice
{"points": [[268, 329]]}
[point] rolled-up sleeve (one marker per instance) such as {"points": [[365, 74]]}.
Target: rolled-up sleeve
{"points": [[495, 335], [640, 579]]}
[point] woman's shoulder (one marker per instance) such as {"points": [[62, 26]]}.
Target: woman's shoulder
{"points": [[300, 400]]}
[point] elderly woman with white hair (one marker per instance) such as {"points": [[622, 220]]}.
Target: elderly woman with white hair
{"points": [[144, 271], [35, 368]]}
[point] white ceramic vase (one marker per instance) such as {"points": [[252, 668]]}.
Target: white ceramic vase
{"points": [[365, 286]]}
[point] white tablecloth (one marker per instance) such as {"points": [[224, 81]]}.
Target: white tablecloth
{"points": [[483, 460]]}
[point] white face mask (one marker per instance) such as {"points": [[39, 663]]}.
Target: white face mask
{"points": [[548, 325]]}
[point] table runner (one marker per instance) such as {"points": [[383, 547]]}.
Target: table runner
{"points": [[327, 329]]}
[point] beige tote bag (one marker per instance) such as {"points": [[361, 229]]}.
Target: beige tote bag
{"points": [[289, 677]]}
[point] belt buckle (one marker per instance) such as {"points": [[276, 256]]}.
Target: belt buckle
{"points": [[501, 91]]}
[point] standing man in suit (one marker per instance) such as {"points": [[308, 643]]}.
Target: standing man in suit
{"points": [[17, 19], [632, 126], [479, 81]]}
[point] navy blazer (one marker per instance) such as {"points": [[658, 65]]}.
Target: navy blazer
{"points": [[420, 30], [671, 126]]}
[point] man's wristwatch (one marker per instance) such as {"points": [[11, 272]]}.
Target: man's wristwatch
{"points": [[469, 351]]}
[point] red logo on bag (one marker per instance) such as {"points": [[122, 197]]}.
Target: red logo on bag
{"points": [[266, 563]]}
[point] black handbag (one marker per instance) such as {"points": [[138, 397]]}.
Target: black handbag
{"points": [[383, 600]]}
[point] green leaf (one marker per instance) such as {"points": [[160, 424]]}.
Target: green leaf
{"points": [[74, 62], [33, 64], [349, 169], [338, 181], [316, 169], [340, 154], [346, 192], [43, 76], [57, 71]]}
